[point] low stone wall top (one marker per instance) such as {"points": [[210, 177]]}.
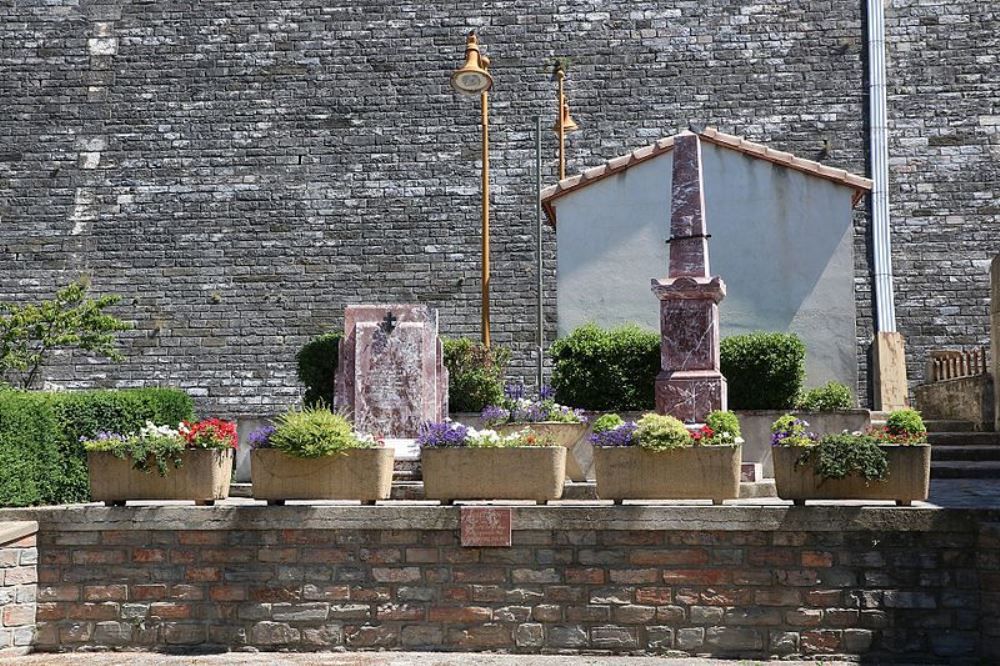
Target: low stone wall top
{"points": [[524, 517]]}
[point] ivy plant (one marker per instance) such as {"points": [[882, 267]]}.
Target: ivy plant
{"points": [[839, 456]]}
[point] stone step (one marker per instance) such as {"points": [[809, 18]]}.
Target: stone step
{"points": [[964, 438], [965, 469], [980, 452], [940, 425]]}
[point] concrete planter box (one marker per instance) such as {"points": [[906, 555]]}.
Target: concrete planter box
{"points": [[571, 436], [356, 474], [908, 478], [755, 426], [517, 473], [697, 472], [203, 476]]}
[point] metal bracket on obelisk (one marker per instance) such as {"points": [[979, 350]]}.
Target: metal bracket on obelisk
{"points": [[689, 385]]}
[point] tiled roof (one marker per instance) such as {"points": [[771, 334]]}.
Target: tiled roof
{"points": [[573, 183]]}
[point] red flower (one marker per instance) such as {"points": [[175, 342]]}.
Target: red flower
{"points": [[210, 434]]}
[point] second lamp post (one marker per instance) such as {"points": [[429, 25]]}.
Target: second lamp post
{"points": [[471, 79]]}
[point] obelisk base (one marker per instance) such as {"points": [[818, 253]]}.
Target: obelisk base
{"points": [[690, 395]]}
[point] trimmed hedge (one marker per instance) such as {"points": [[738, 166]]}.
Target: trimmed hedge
{"points": [[763, 370], [41, 458], [606, 369], [316, 366], [475, 374]]}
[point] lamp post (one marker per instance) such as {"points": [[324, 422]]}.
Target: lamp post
{"points": [[471, 79], [564, 122]]}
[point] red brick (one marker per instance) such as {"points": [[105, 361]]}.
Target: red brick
{"points": [[151, 592], [58, 593], [657, 596], [105, 592], [585, 576], [183, 556], [202, 574], [146, 555], [48, 611], [278, 555], [816, 558], [464, 556], [772, 557], [273, 594], [455, 593], [170, 611], [480, 574], [824, 598], [813, 642], [307, 537], [369, 593], [390, 612], [380, 555], [227, 556], [421, 555], [668, 557], [632, 538], [201, 538], [20, 575], [777, 596], [96, 611], [727, 597], [105, 556], [459, 614], [697, 576], [227, 593], [325, 556], [55, 557], [188, 592], [634, 576]]}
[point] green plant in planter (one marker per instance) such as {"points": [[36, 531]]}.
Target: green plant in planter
{"points": [[160, 446], [657, 432], [607, 422], [838, 456], [723, 429], [830, 398], [475, 374], [789, 430], [315, 432]]}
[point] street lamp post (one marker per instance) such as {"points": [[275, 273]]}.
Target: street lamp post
{"points": [[564, 122], [471, 79]]}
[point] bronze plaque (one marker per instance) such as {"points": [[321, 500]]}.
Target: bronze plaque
{"points": [[485, 526]]}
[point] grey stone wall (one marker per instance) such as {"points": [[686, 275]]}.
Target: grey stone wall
{"points": [[240, 171]]}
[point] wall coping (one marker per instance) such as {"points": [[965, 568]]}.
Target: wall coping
{"points": [[87, 518], [14, 530]]}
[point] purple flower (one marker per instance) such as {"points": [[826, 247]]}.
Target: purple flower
{"points": [[260, 438], [443, 433], [495, 415], [623, 435], [546, 392], [514, 392]]}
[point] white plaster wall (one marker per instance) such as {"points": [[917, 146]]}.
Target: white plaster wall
{"points": [[781, 240]]}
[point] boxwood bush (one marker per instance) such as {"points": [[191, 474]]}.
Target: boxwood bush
{"points": [[606, 369], [40, 436], [763, 370], [316, 365]]}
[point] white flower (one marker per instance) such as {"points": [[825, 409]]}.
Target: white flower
{"points": [[152, 430]]}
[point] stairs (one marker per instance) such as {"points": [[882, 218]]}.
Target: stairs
{"points": [[959, 452]]}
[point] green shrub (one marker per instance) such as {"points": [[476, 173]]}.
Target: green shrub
{"points": [[830, 398], [30, 459], [606, 369], [721, 421], [657, 432], [763, 370], [475, 374], [905, 422], [837, 456], [65, 418], [315, 432], [316, 365], [607, 422]]}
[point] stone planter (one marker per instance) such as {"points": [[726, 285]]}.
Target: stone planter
{"points": [[203, 476], [516, 473], [356, 474], [571, 436], [697, 472], [908, 478]]}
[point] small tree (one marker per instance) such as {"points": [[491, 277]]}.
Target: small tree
{"points": [[29, 333]]}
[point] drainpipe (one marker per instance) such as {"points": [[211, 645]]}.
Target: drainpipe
{"points": [[885, 306]]}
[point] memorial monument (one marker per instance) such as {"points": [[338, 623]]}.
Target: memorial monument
{"points": [[391, 375], [690, 384]]}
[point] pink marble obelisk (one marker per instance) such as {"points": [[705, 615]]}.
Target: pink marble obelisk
{"points": [[689, 385]]}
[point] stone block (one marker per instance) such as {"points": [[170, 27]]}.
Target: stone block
{"points": [[273, 633], [421, 636], [529, 635], [566, 636], [733, 638], [613, 638], [690, 638]]}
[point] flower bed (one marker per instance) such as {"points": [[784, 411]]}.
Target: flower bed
{"points": [[888, 463], [191, 462], [461, 463], [315, 454], [658, 457]]}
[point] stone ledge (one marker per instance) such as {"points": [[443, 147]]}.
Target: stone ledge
{"points": [[830, 518], [14, 530]]}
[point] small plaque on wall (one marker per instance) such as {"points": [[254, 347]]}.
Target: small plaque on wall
{"points": [[485, 526]]}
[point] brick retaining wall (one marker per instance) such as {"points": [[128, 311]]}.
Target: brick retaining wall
{"points": [[18, 558], [725, 581]]}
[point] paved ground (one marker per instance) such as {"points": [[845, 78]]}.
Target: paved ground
{"points": [[370, 659]]}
